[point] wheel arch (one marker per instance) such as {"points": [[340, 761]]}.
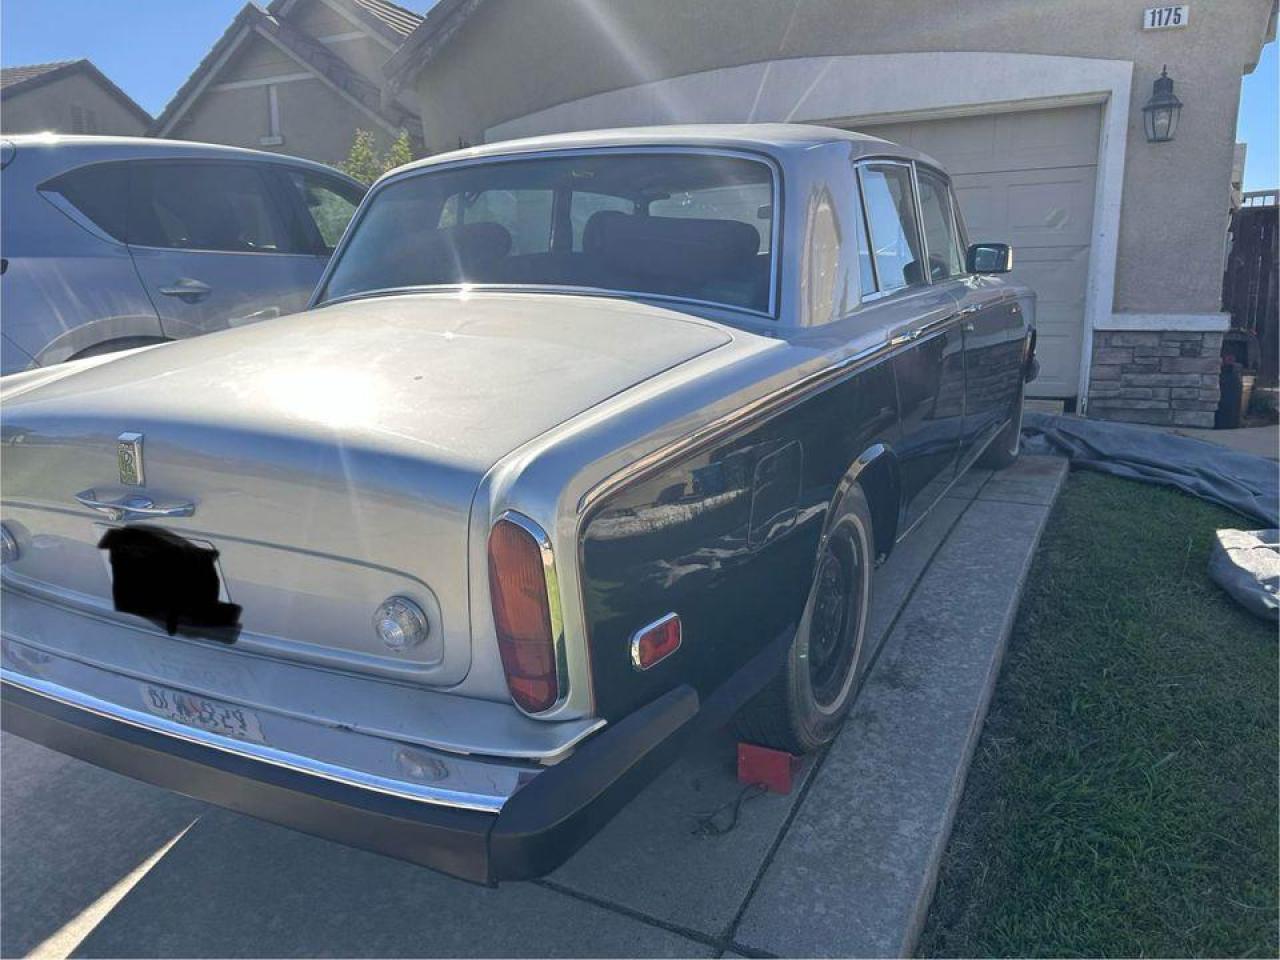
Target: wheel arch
{"points": [[876, 473]]}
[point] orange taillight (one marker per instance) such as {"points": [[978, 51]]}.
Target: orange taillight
{"points": [[656, 642], [522, 615]]}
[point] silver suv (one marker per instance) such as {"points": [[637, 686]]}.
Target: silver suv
{"points": [[115, 242]]}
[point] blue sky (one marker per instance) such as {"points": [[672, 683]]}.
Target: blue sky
{"points": [[149, 47], [1257, 125]]}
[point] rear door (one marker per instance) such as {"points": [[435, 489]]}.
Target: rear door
{"points": [[989, 322], [216, 244], [922, 315], [68, 283]]}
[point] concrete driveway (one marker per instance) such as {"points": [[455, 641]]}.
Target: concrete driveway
{"points": [[92, 864]]}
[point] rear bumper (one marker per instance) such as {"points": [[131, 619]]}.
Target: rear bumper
{"points": [[481, 819], [534, 832]]}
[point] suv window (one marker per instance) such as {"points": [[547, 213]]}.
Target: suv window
{"points": [[945, 259], [204, 206], [886, 191], [330, 203], [100, 192]]}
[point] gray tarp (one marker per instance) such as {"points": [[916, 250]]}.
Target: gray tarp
{"points": [[1241, 482], [1246, 564]]}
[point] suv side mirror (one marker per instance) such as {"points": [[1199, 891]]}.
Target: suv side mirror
{"points": [[989, 258]]}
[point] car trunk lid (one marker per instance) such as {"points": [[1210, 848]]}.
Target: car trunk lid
{"points": [[330, 457]]}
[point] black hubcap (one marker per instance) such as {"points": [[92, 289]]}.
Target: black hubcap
{"points": [[835, 614]]}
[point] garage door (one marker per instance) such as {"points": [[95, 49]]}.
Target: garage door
{"points": [[1027, 179]]}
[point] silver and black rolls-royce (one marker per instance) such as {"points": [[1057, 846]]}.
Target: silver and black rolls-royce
{"points": [[585, 443]]}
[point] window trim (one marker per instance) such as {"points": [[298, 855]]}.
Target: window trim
{"points": [[880, 292], [775, 240]]}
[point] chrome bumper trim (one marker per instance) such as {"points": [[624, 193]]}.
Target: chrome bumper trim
{"points": [[260, 753]]}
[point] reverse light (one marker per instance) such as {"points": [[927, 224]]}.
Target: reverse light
{"points": [[401, 624], [522, 589], [656, 642]]}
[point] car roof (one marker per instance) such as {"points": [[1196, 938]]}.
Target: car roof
{"points": [[73, 149], [771, 138]]}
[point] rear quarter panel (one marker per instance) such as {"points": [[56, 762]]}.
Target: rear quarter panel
{"points": [[726, 536]]}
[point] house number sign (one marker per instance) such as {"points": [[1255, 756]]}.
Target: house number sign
{"points": [[1165, 18]]}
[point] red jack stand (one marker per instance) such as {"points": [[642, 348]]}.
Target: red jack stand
{"points": [[772, 768]]}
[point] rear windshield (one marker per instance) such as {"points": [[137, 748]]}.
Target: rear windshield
{"points": [[685, 226]]}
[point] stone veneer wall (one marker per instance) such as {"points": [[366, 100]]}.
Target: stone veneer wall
{"points": [[1155, 376]]}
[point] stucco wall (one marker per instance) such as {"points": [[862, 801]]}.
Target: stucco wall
{"points": [[240, 117], [316, 122], [1174, 211], [48, 107]]}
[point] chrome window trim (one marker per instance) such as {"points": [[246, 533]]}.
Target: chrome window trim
{"points": [[258, 752], [635, 640], [775, 240], [863, 296], [555, 609]]}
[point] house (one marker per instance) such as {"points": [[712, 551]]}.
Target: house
{"points": [[298, 77], [69, 96], [1035, 108]]}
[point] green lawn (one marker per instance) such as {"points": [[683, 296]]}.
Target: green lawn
{"points": [[1123, 796]]}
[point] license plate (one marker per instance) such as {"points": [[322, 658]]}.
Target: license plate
{"points": [[204, 714], [172, 582]]}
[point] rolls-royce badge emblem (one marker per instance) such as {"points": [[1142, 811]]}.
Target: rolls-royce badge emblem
{"points": [[129, 459]]}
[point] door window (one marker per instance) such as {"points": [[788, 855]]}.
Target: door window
{"points": [[886, 191], [330, 205], [205, 206], [945, 259], [99, 192]]}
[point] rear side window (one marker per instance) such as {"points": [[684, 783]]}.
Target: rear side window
{"points": [[205, 206], [895, 242], [330, 204], [945, 259], [99, 192]]}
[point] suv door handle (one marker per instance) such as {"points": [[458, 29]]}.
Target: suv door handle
{"points": [[187, 290]]}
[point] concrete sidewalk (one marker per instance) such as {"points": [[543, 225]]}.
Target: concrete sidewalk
{"points": [[844, 866]]}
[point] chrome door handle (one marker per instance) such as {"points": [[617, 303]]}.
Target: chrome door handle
{"points": [[969, 311], [133, 505], [187, 289]]}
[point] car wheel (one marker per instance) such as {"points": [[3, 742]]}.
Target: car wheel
{"points": [[804, 705], [1004, 449]]}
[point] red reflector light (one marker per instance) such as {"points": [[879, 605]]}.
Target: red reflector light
{"points": [[655, 642], [522, 615]]}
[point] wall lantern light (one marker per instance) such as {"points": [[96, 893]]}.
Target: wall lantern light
{"points": [[1160, 113]]}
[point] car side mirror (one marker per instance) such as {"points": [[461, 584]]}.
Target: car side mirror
{"points": [[989, 258]]}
